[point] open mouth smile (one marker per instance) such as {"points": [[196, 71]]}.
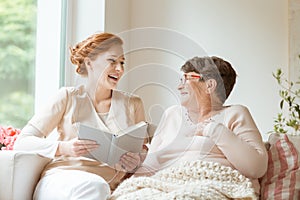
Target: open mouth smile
{"points": [[114, 77]]}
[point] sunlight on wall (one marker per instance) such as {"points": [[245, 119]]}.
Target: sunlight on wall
{"points": [[242, 32], [47, 51]]}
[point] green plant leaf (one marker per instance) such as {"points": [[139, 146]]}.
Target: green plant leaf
{"points": [[288, 118], [281, 104]]}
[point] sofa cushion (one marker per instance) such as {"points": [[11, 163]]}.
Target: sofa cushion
{"points": [[282, 179], [19, 172]]}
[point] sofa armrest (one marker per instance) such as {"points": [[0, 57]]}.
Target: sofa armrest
{"points": [[20, 172]]}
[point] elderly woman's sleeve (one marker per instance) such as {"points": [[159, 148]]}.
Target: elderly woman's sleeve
{"points": [[33, 135], [151, 164], [240, 141]]}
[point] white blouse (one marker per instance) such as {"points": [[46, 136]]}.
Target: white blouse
{"points": [[63, 114], [230, 138]]}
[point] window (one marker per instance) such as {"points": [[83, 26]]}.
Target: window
{"points": [[17, 61], [34, 40], [30, 42]]}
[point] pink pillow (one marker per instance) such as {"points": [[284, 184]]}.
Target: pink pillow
{"points": [[282, 179]]}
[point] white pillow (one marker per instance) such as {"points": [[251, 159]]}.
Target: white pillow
{"points": [[19, 174]]}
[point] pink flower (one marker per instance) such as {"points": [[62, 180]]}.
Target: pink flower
{"points": [[8, 136]]}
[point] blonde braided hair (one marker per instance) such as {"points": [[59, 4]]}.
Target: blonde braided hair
{"points": [[91, 47]]}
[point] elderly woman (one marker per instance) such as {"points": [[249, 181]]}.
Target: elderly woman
{"points": [[202, 148]]}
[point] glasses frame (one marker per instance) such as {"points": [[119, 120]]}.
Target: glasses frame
{"points": [[186, 77]]}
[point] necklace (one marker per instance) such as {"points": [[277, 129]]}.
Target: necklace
{"points": [[201, 123], [188, 119], [195, 129]]}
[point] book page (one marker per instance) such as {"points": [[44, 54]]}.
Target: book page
{"points": [[101, 137], [130, 140]]}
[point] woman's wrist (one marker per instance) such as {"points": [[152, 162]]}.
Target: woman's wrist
{"points": [[60, 149], [143, 154], [141, 159]]}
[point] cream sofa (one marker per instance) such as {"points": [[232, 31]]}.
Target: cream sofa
{"points": [[20, 171], [19, 174]]}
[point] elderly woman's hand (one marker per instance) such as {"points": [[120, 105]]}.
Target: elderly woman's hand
{"points": [[201, 126], [130, 162], [76, 147]]}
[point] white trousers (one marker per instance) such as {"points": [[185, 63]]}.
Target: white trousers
{"points": [[72, 185]]}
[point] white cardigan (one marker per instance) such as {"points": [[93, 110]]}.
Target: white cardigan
{"points": [[231, 138], [71, 106]]}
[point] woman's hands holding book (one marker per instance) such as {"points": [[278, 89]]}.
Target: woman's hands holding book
{"points": [[130, 162], [75, 147]]}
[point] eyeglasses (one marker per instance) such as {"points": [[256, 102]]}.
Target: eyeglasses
{"points": [[186, 77]]}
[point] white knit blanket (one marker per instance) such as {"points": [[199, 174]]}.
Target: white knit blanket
{"points": [[189, 180]]}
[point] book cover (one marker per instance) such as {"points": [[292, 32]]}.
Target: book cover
{"points": [[113, 145]]}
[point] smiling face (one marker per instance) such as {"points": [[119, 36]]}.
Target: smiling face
{"points": [[192, 91], [108, 67]]}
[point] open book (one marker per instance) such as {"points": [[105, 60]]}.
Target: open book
{"points": [[114, 145]]}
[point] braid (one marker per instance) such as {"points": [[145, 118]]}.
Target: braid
{"points": [[91, 47]]}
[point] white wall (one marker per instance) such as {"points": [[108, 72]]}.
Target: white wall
{"points": [[117, 20], [84, 17], [251, 34], [294, 40]]}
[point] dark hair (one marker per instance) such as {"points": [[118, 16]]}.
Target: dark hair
{"points": [[91, 47], [213, 68]]}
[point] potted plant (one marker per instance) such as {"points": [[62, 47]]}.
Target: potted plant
{"points": [[288, 119], [284, 144]]}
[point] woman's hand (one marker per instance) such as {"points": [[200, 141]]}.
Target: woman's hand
{"points": [[201, 126], [130, 162], [76, 147]]}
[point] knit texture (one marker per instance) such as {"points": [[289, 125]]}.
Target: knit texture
{"points": [[189, 180]]}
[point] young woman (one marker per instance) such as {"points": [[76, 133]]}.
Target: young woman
{"points": [[97, 103]]}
